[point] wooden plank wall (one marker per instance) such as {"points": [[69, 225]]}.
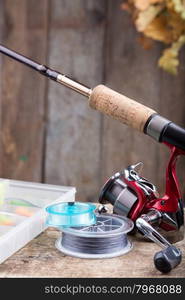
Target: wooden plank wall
{"points": [[48, 133], [76, 47], [23, 91], [1, 38]]}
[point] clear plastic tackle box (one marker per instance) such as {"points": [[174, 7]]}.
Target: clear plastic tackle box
{"points": [[22, 211]]}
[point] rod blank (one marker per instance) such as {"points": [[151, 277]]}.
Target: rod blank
{"points": [[21, 58], [44, 70], [109, 102]]}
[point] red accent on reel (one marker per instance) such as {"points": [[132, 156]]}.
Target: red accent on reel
{"points": [[169, 202]]}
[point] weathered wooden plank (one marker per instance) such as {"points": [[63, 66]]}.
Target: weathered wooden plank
{"points": [[23, 90], [1, 74], [133, 72], [81, 150], [40, 258], [1, 66], [73, 138]]}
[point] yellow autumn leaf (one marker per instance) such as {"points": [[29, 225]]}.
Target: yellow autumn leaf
{"points": [[147, 16], [179, 7], [145, 42], [169, 60], [160, 20], [158, 30], [176, 24], [144, 4]]}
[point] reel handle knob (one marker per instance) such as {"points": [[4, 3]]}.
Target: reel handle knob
{"points": [[167, 259]]}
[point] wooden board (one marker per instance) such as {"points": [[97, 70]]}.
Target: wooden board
{"points": [[40, 258], [48, 133], [133, 71], [22, 103], [76, 40], [1, 73]]}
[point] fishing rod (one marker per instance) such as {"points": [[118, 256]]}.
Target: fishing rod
{"points": [[109, 102], [130, 194]]}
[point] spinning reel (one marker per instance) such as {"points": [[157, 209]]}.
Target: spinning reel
{"points": [[135, 197], [132, 196]]}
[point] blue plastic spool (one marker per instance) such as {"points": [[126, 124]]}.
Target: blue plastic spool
{"points": [[71, 214]]}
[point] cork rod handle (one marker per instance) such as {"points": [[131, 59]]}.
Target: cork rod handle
{"points": [[120, 107]]}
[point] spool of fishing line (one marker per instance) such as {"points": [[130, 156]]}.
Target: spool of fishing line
{"points": [[70, 214], [105, 239]]}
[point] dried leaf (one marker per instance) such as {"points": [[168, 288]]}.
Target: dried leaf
{"points": [[157, 1], [176, 24], [145, 42], [161, 20], [144, 4], [126, 7], [169, 60], [167, 28], [159, 31], [179, 7], [147, 16]]}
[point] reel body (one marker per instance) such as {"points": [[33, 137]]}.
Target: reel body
{"points": [[135, 197]]}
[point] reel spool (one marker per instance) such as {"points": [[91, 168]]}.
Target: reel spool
{"points": [[105, 239], [70, 214]]}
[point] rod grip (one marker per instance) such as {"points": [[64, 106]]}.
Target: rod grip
{"points": [[120, 107]]}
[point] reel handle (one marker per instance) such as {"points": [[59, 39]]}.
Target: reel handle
{"points": [[166, 259]]}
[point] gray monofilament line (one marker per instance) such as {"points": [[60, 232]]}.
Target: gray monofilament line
{"points": [[94, 245], [107, 238]]}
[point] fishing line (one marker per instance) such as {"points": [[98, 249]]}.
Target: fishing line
{"points": [[107, 238]]}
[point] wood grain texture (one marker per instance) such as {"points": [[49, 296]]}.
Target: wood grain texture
{"points": [[58, 138], [73, 137], [132, 71], [40, 258], [1, 74], [25, 31]]}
